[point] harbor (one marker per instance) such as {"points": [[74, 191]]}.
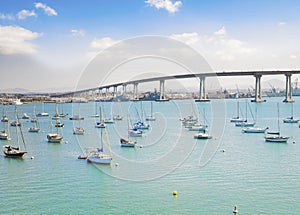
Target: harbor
{"points": [[244, 167]]}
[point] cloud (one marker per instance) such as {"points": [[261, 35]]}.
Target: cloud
{"points": [[15, 40], [165, 4], [6, 16], [103, 43], [216, 45], [48, 10], [23, 14], [221, 32], [188, 38], [281, 24], [78, 33]]}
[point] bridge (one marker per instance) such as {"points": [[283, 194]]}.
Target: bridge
{"points": [[202, 89]]}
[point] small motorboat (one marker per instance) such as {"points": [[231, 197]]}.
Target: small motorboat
{"points": [[127, 143]]}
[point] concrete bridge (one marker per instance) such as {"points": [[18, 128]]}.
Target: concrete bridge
{"points": [[202, 89]]}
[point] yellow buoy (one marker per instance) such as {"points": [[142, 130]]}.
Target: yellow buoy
{"points": [[175, 193]]}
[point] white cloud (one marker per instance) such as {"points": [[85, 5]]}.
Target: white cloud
{"points": [[165, 4], [281, 24], [217, 45], [6, 16], [221, 31], [48, 10], [15, 40], [103, 43], [294, 56], [78, 33], [23, 14], [188, 38]]}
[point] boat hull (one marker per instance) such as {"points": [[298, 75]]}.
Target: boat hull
{"points": [[276, 139], [237, 120], [34, 130], [98, 160], [254, 130], [291, 120], [202, 136], [244, 124]]}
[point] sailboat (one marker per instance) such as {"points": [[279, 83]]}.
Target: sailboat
{"points": [[35, 127], [140, 125], [78, 130], [54, 137], [245, 123], [255, 129], [25, 116], [151, 117], [128, 142], [56, 117], [15, 152], [203, 135], [4, 117], [134, 132], [237, 118], [43, 113], [62, 114], [100, 124], [291, 119], [96, 115], [77, 117], [98, 156], [3, 134], [277, 138]]}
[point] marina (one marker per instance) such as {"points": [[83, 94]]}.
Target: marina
{"points": [[245, 168]]}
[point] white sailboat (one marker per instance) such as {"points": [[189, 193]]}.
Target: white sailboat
{"points": [[43, 113], [291, 119], [117, 117], [151, 117], [101, 123], [4, 116], [25, 116], [96, 115], [238, 118], [128, 142], [35, 128], [134, 132], [203, 134], [140, 125], [276, 137], [245, 123], [255, 129], [54, 137], [15, 152], [98, 156], [4, 135], [78, 130], [62, 114]]}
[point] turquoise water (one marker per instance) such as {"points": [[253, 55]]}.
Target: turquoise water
{"points": [[259, 177]]}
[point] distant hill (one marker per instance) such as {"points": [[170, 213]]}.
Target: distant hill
{"points": [[15, 90]]}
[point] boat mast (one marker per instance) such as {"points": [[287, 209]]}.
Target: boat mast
{"points": [[22, 137], [151, 107], [238, 110], [278, 119]]}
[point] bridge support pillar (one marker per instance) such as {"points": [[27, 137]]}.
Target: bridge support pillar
{"points": [[288, 88], [162, 96], [202, 92], [106, 92], [124, 90], [115, 91], [135, 92], [258, 93]]}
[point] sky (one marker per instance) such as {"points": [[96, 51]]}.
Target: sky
{"points": [[47, 45]]}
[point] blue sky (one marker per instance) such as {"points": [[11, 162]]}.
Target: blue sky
{"points": [[60, 37]]}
